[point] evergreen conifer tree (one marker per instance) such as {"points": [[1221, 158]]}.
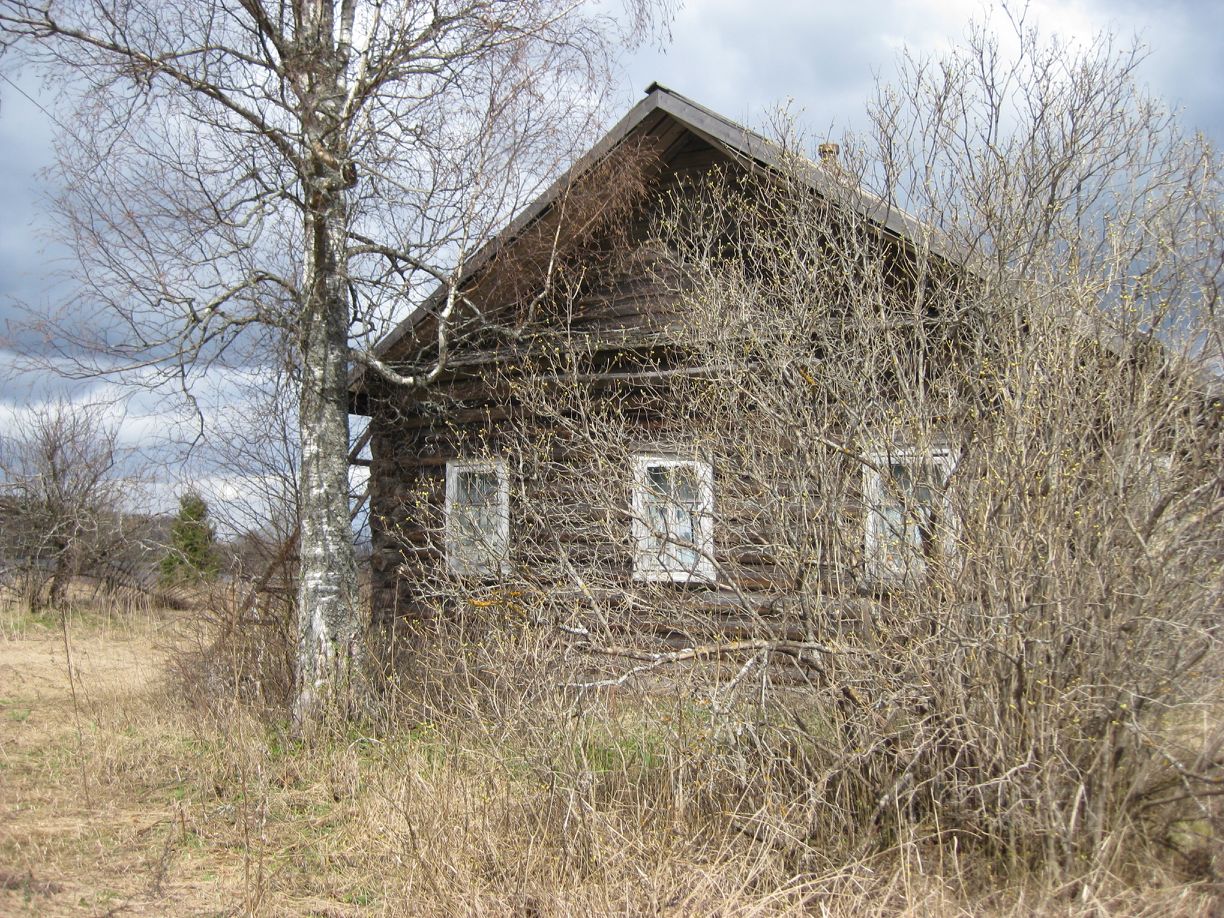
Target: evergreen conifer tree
{"points": [[192, 555]]}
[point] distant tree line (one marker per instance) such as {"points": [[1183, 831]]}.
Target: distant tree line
{"points": [[67, 513]]}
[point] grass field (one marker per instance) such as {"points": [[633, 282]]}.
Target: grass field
{"points": [[118, 797]]}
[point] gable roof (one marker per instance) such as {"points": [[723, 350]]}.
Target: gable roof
{"points": [[660, 103], [740, 144]]}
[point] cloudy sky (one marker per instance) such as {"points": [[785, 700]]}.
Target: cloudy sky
{"points": [[738, 57]]}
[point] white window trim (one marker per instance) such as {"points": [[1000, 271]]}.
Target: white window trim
{"points": [[454, 561], [648, 565], [873, 498]]}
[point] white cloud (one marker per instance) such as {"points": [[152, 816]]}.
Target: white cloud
{"points": [[156, 430]]}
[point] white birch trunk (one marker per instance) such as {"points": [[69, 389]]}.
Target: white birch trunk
{"points": [[328, 613], [328, 616]]}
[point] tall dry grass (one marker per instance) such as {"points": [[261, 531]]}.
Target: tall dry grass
{"points": [[480, 784], [482, 781]]}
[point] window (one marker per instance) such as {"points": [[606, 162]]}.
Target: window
{"points": [[477, 517], [673, 519], [907, 511]]}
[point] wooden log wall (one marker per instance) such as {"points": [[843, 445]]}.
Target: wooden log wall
{"points": [[570, 520]]}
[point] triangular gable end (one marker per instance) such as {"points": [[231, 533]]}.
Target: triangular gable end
{"points": [[669, 120]]}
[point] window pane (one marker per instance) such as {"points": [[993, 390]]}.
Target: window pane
{"points": [[476, 486], [674, 517], [477, 527], [685, 488], [658, 480]]}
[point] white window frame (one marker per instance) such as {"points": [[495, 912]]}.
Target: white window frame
{"points": [[873, 499], [496, 554], [649, 562]]}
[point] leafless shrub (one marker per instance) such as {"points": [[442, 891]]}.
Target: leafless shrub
{"points": [[956, 570], [244, 640], [236, 648], [62, 502]]}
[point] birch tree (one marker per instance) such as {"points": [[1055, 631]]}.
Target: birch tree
{"points": [[239, 173]]}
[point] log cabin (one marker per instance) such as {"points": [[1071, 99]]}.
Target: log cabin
{"points": [[577, 454]]}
